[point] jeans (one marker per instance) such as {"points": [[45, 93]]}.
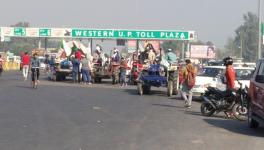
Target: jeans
{"points": [[74, 75], [25, 71], [86, 75], [33, 70], [123, 76]]}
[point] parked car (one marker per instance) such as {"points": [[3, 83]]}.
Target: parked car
{"points": [[42, 62], [256, 92], [211, 76]]}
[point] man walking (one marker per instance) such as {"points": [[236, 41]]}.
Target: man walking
{"points": [[189, 73], [25, 65]]}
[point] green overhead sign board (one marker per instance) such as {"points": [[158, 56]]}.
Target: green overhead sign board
{"points": [[44, 32], [19, 31], [97, 33], [132, 34]]}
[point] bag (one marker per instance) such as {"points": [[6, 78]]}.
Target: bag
{"points": [[190, 79]]}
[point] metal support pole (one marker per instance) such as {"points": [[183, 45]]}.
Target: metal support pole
{"points": [[182, 50], [137, 51], [137, 46], [39, 43], [241, 45], [91, 44], [46, 41], [259, 30], [188, 49]]}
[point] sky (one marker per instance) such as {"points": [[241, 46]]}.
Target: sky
{"points": [[213, 20]]}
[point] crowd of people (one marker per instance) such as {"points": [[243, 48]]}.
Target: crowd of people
{"points": [[82, 66]]}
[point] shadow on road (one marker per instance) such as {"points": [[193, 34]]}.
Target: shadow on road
{"points": [[132, 91], [24, 86], [193, 113], [152, 92], [219, 116], [236, 127], [165, 105]]}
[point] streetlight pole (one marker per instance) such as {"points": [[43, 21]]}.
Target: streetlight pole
{"points": [[183, 47], [241, 45], [259, 29]]}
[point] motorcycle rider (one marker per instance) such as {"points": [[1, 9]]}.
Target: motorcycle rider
{"points": [[230, 77]]}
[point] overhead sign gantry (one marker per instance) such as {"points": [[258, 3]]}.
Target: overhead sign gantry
{"points": [[97, 33]]}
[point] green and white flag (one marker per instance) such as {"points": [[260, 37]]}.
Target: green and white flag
{"points": [[66, 47]]}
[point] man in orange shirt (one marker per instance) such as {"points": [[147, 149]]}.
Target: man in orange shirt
{"points": [[230, 78], [230, 73]]}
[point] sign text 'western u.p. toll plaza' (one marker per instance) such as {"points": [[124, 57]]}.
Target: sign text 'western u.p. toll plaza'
{"points": [[97, 33]]}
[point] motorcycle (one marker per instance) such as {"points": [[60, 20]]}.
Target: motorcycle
{"points": [[233, 102]]}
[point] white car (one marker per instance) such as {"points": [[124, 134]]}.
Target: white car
{"points": [[42, 62], [211, 76]]}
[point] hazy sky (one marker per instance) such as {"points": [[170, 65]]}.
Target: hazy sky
{"points": [[213, 20]]}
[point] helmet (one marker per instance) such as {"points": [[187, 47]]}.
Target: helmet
{"points": [[228, 61]]}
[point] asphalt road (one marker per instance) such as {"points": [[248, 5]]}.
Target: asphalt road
{"points": [[65, 116]]}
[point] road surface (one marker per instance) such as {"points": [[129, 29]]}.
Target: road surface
{"points": [[66, 116]]}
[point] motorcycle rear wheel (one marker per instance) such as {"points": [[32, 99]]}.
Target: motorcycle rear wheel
{"points": [[207, 109]]}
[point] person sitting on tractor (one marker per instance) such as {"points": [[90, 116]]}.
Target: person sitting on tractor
{"points": [[151, 56], [97, 56], [171, 57], [115, 56]]}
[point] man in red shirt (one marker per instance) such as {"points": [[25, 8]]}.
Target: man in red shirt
{"points": [[78, 55], [25, 64], [230, 73], [230, 78]]}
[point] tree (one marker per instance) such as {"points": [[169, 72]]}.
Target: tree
{"points": [[175, 45], [246, 38], [21, 24], [230, 47], [221, 53]]}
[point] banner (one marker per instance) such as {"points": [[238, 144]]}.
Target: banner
{"points": [[7, 31], [60, 32], [202, 51], [32, 32], [155, 44], [132, 46]]}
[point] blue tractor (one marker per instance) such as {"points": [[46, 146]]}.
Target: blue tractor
{"points": [[157, 76]]}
